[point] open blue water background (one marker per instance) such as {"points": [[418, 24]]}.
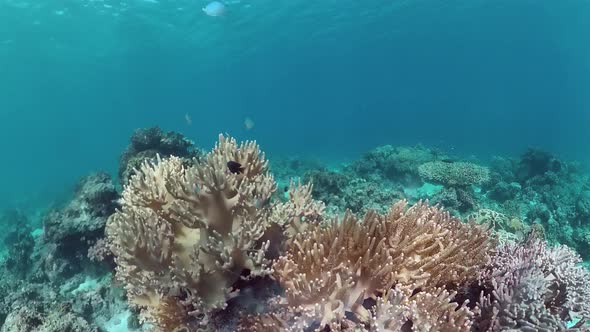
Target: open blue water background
{"points": [[323, 78]]}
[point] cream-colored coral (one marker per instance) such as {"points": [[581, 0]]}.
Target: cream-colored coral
{"points": [[432, 311], [400, 309], [184, 235], [328, 272], [390, 312], [506, 228], [299, 211]]}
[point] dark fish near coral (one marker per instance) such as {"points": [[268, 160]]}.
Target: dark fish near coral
{"points": [[447, 160], [235, 167], [262, 203]]}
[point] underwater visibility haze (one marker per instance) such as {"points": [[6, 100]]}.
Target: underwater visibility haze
{"points": [[425, 165]]}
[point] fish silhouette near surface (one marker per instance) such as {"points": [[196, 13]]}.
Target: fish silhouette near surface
{"points": [[214, 8], [235, 167]]}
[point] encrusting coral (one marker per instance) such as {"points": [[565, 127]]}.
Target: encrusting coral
{"points": [[185, 235]]}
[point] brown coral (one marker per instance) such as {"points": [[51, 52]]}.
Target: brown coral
{"points": [[328, 272], [185, 235]]}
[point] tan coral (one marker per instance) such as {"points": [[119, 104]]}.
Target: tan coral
{"points": [[299, 211], [391, 312], [329, 271], [432, 311], [400, 309], [184, 235]]}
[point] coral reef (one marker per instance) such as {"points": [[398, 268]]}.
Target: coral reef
{"points": [[68, 233], [207, 243], [329, 272], [20, 244], [186, 235], [454, 174], [342, 191], [535, 162], [43, 275], [30, 320], [458, 179], [532, 287], [146, 143], [286, 168], [507, 228], [196, 244], [542, 190], [397, 164]]}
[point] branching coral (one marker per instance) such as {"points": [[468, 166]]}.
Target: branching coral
{"points": [[185, 235], [421, 312], [329, 272], [189, 236], [532, 287], [399, 309], [507, 228]]}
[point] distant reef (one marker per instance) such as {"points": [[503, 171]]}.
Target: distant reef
{"points": [[406, 238]]}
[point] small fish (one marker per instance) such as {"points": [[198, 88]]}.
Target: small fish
{"points": [[262, 203], [235, 167], [214, 8], [248, 123], [188, 119], [447, 160]]}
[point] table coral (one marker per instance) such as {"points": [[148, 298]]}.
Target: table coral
{"points": [[454, 174]]}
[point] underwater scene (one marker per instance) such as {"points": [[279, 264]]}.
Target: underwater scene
{"points": [[292, 165]]}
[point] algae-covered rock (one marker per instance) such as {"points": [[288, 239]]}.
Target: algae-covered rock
{"points": [[147, 143]]}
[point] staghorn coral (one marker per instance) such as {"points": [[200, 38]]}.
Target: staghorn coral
{"points": [[186, 235], [329, 272], [457, 174]]}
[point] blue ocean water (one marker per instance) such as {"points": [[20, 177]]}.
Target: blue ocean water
{"points": [[318, 78], [358, 97]]}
